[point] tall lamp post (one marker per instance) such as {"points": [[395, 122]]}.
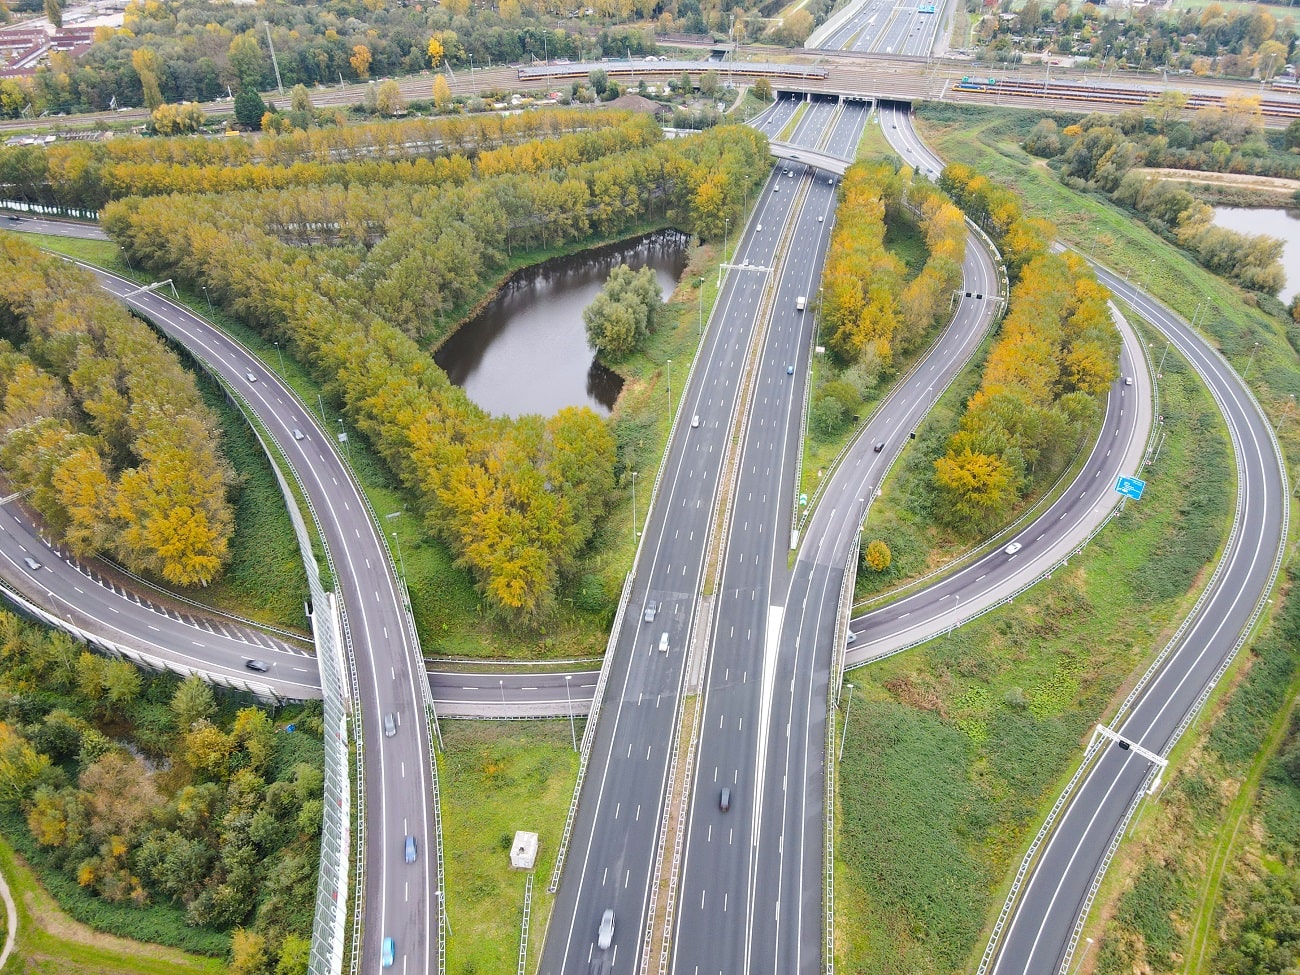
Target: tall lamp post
{"points": [[569, 699], [670, 389], [211, 313], [847, 711], [701, 287], [726, 225], [634, 532]]}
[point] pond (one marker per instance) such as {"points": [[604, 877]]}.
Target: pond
{"points": [[1274, 222], [527, 351]]}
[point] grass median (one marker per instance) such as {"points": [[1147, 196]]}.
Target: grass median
{"points": [[495, 778]]}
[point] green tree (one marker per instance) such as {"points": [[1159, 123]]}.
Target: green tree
{"points": [[709, 83], [247, 61], [762, 90], [192, 702], [54, 12], [295, 952], [147, 66], [249, 109], [599, 81], [122, 683], [624, 313]]}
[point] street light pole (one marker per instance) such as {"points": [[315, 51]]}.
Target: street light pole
{"points": [[1254, 349], [343, 438], [569, 699], [701, 287], [670, 389], [847, 711], [634, 476], [1160, 370], [211, 313], [726, 224], [1086, 946], [401, 564], [280, 356]]}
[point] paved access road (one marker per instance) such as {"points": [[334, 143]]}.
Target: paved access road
{"points": [[1045, 911]]}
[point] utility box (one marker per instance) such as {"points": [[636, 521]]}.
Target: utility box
{"points": [[523, 851]]}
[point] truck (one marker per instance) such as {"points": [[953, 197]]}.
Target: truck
{"points": [[800, 302]]}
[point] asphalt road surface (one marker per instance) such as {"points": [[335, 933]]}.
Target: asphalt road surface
{"points": [[740, 862], [1039, 935], [388, 669]]}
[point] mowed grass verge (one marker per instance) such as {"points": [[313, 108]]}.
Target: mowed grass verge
{"points": [[52, 943], [495, 778], [956, 748]]}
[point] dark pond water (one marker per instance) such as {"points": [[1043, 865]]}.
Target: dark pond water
{"points": [[527, 351]]}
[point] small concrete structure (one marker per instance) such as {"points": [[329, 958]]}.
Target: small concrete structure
{"points": [[523, 851]]}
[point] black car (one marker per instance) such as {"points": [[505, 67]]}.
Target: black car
{"points": [[261, 666]]}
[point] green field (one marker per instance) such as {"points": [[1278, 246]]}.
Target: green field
{"points": [[495, 778], [51, 943], [955, 748]]}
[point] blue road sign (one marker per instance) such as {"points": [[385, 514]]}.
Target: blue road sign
{"points": [[1130, 487]]}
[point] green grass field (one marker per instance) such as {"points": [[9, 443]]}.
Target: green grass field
{"points": [[51, 943], [956, 747], [496, 778]]}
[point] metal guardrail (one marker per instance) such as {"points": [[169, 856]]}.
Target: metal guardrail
{"points": [[523, 925], [832, 764]]}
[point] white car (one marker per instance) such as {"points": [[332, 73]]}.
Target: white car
{"points": [[605, 937], [1012, 549]]}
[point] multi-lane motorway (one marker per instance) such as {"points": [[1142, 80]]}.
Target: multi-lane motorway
{"points": [[887, 27]]}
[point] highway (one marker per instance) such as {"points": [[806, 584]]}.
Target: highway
{"points": [[1052, 903], [611, 862], [1046, 909], [886, 27], [732, 864], [388, 668]]}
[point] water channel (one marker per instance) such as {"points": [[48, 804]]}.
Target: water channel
{"points": [[527, 351], [1274, 222]]}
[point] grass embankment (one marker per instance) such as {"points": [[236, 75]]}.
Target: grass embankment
{"points": [[51, 943], [494, 779], [1227, 819], [957, 748]]}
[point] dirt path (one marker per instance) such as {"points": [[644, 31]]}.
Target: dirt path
{"points": [[11, 922], [1277, 184]]}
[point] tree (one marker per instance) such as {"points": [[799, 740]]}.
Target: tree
{"points": [[441, 93], [295, 952], [762, 90], [709, 83], [599, 81], [54, 12], [20, 766], [360, 61], [878, 556], [436, 52], [122, 683], [248, 953], [147, 66], [249, 109], [247, 60], [388, 98], [192, 702], [624, 313]]}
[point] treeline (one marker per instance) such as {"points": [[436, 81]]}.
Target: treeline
{"points": [[1055, 356], [1103, 153], [104, 429], [188, 50], [161, 813], [417, 152], [869, 312], [516, 500]]}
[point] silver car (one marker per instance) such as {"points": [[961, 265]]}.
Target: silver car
{"points": [[605, 937]]}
